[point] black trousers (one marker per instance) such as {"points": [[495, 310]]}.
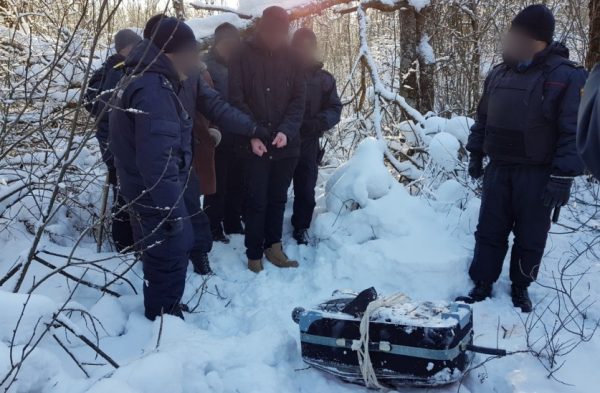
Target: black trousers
{"points": [[224, 208], [267, 183], [305, 181], [198, 219], [121, 231], [511, 201]]}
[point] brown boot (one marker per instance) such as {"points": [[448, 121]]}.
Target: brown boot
{"points": [[277, 257], [255, 265]]}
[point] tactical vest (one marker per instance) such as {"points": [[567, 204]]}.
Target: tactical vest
{"points": [[521, 125]]}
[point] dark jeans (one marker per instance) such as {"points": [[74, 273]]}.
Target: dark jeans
{"points": [[121, 232], [199, 220], [511, 201], [267, 183], [305, 181], [224, 208], [164, 258]]}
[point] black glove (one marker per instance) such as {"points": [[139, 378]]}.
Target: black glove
{"points": [[263, 134], [475, 166], [558, 191]]}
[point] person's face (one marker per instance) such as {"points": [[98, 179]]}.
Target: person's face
{"points": [[274, 37], [126, 51], [226, 47], [308, 51], [185, 63], [519, 46]]}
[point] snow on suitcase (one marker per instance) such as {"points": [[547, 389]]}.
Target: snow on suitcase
{"points": [[410, 343]]}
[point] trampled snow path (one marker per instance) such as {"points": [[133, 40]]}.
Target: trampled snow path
{"points": [[241, 337]]}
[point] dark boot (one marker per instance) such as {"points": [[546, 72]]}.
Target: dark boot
{"points": [[234, 228], [219, 236], [202, 264], [301, 236], [480, 292], [520, 298]]}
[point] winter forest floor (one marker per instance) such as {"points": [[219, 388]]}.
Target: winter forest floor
{"points": [[240, 336]]}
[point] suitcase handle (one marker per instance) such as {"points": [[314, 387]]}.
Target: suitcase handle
{"points": [[486, 351]]}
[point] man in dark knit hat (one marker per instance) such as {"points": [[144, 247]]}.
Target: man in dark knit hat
{"points": [[151, 139], [322, 113], [100, 89], [266, 81], [526, 126], [224, 208]]}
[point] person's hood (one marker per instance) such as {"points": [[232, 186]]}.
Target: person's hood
{"points": [[147, 57]]}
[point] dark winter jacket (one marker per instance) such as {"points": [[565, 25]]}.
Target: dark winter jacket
{"points": [[151, 133], [323, 105], [270, 86], [528, 115], [588, 133], [217, 68], [105, 79]]}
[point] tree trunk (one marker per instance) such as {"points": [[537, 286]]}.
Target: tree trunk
{"points": [[426, 67], [593, 55], [179, 9]]}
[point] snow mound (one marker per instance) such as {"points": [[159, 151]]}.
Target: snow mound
{"points": [[460, 126], [29, 312], [443, 150], [362, 179]]}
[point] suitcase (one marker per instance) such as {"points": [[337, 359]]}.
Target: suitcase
{"points": [[412, 343]]}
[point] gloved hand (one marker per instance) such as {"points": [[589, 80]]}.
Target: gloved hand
{"points": [[215, 135], [263, 134], [475, 166], [558, 191]]}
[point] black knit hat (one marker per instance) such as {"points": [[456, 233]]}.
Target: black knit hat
{"points": [[304, 34], [536, 21], [151, 24], [173, 35], [226, 31], [275, 18], [125, 38]]}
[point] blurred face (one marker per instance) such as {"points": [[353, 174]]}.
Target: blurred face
{"points": [[520, 47], [308, 51], [126, 51], [185, 63], [226, 47], [274, 37]]}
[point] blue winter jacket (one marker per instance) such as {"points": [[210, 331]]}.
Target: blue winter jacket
{"points": [[588, 133], [323, 107], [99, 91], [150, 133], [528, 115]]}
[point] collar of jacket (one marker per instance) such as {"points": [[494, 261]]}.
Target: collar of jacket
{"points": [[554, 49], [147, 57], [313, 67], [255, 42]]}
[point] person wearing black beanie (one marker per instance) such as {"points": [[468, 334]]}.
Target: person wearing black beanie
{"points": [[526, 127]]}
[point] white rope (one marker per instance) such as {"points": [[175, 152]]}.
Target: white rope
{"points": [[362, 346]]}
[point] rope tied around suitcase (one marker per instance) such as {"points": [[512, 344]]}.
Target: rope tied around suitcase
{"points": [[362, 346]]}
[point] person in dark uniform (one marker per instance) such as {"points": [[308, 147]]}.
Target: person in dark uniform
{"points": [[151, 139], [224, 208], [526, 125], [322, 113], [267, 82], [588, 132], [100, 89]]}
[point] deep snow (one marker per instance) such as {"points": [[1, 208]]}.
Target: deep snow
{"points": [[368, 232]]}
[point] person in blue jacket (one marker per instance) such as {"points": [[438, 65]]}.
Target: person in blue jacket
{"points": [[224, 208], [266, 81], [526, 126], [99, 91], [150, 137], [322, 113], [588, 133]]}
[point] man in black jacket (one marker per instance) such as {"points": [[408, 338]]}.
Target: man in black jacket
{"points": [[322, 113], [526, 125], [266, 81], [99, 91], [224, 208]]}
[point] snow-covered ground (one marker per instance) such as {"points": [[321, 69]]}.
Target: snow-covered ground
{"points": [[240, 337]]}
